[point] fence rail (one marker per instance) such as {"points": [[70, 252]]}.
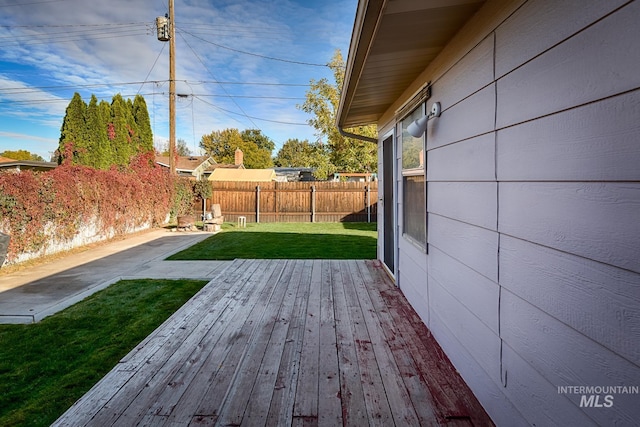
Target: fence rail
{"points": [[296, 201]]}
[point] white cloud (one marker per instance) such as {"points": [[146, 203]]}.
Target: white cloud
{"points": [[91, 45]]}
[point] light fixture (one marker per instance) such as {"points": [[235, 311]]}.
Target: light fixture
{"points": [[417, 128]]}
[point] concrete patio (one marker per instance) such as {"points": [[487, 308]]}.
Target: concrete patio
{"points": [[32, 293]]}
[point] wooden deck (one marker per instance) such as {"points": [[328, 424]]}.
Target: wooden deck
{"points": [[282, 342]]}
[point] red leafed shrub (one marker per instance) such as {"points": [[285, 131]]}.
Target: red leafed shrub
{"points": [[37, 208]]}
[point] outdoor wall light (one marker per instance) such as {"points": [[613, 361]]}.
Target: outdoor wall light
{"points": [[417, 128]]}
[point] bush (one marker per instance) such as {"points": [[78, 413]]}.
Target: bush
{"points": [[183, 198], [38, 208]]}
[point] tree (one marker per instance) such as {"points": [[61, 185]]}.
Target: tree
{"points": [[303, 154], [181, 148], [144, 137], [256, 136], [74, 131], [322, 100], [99, 148], [121, 140], [101, 134], [22, 155], [221, 145]]}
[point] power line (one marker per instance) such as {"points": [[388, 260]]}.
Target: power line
{"points": [[76, 38], [209, 71], [53, 101], [74, 33], [23, 90], [152, 67], [251, 32], [197, 82], [280, 98], [286, 98], [108, 24], [251, 117], [62, 33], [253, 54], [251, 83], [30, 3]]}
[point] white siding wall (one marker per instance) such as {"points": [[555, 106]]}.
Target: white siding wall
{"points": [[532, 277]]}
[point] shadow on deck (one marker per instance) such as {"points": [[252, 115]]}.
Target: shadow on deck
{"points": [[283, 342]]}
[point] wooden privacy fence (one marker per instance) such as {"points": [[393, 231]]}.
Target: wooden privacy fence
{"points": [[296, 201]]}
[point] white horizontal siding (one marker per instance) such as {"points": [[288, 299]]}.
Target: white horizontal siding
{"points": [[473, 117], [600, 301], [599, 221], [469, 75], [412, 277], [491, 395], [539, 25], [471, 202], [476, 293], [594, 64], [470, 160], [476, 337], [473, 246], [596, 142], [536, 397], [564, 356]]}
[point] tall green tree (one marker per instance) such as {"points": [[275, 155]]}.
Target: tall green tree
{"points": [[122, 137], [99, 147], [144, 136], [105, 114], [74, 131], [221, 145], [322, 100], [104, 134], [22, 155]]}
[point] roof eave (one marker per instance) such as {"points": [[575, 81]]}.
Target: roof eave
{"points": [[364, 28], [392, 44]]}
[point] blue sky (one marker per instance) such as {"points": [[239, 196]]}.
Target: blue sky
{"points": [[237, 63]]}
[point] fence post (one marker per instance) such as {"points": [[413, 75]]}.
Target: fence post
{"points": [[313, 203], [257, 203], [367, 192], [276, 201]]}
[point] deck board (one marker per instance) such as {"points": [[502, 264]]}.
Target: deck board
{"points": [[329, 407], [285, 342]]}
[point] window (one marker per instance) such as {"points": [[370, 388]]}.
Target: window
{"points": [[413, 182]]}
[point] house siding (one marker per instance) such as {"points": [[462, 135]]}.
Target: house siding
{"points": [[531, 278]]}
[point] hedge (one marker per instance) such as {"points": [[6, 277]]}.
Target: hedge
{"points": [[42, 209]]}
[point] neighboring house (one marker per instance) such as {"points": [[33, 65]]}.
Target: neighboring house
{"points": [[194, 166], [11, 165], [517, 239]]}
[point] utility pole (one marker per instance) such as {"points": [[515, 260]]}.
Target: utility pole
{"points": [[167, 33], [172, 89]]}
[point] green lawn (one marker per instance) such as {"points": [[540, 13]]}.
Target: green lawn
{"points": [[45, 367], [345, 240]]}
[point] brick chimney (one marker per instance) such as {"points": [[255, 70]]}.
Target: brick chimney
{"points": [[239, 157]]}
